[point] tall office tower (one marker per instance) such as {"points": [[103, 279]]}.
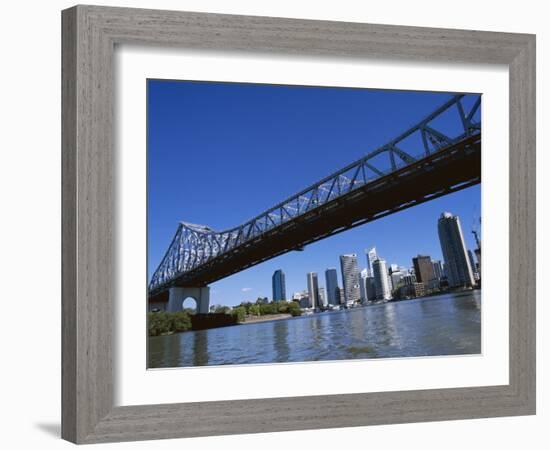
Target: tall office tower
{"points": [[313, 289], [381, 280], [457, 263], [363, 285], [302, 298], [438, 269], [279, 286], [472, 261], [322, 298], [350, 278], [333, 291], [390, 282], [340, 296], [423, 269], [397, 278], [370, 288], [473, 265], [371, 257], [478, 256]]}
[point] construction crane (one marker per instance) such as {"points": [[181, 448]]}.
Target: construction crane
{"points": [[477, 250], [476, 236], [475, 232]]}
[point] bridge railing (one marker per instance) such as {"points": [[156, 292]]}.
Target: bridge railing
{"points": [[194, 245]]}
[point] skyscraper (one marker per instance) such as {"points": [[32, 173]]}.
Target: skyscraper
{"points": [[457, 263], [333, 291], [473, 265], [279, 286], [381, 280], [423, 269], [368, 291], [438, 269], [322, 298], [472, 260], [370, 288], [363, 285], [371, 257], [313, 289], [396, 278], [350, 278], [478, 256]]}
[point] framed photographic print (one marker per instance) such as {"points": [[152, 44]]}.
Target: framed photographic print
{"points": [[336, 219]]}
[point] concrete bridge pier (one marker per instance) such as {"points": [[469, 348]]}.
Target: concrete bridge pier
{"points": [[177, 295]]}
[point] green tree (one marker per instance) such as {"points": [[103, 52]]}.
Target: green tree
{"points": [[180, 321], [294, 309], [239, 312], [158, 323], [282, 307], [254, 310], [220, 309], [246, 306], [268, 308]]}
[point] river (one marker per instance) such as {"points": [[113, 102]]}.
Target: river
{"points": [[448, 324]]}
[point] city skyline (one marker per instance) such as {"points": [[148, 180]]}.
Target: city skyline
{"points": [[436, 258], [378, 281]]}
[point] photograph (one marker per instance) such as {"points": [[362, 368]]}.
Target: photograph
{"points": [[290, 224]]}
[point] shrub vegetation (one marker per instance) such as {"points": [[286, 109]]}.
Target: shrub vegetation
{"points": [[159, 323], [264, 308]]}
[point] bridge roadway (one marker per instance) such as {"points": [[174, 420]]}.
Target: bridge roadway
{"points": [[456, 167]]}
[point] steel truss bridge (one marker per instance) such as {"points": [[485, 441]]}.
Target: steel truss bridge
{"points": [[444, 158]]}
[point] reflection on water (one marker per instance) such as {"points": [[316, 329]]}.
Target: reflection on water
{"points": [[447, 324]]}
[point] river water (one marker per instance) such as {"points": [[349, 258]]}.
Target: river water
{"points": [[448, 324]]}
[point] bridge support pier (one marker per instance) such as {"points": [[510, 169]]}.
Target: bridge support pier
{"points": [[177, 295]]}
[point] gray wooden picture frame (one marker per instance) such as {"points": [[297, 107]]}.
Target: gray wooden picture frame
{"points": [[90, 34]]}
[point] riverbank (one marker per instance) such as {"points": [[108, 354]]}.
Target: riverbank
{"points": [[266, 318], [446, 325]]}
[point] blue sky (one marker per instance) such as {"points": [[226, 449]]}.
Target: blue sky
{"points": [[220, 153]]}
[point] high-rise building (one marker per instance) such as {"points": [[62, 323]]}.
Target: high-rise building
{"points": [[279, 286], [381, 280], [363, 285], [333, 291], [367, 289], [322, 298], [350, 278], [473, 265], [472, 260], [423, 269], [370, 288], [313, 290], [371, 257], [302, 298], [397, 278], [478, 256], [457, 263], [438, 269]]}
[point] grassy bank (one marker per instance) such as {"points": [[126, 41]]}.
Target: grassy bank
{"points": [[163, 323], [247, 311]]}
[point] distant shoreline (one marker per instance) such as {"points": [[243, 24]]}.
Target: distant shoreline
{"points": [[266, 318]]}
